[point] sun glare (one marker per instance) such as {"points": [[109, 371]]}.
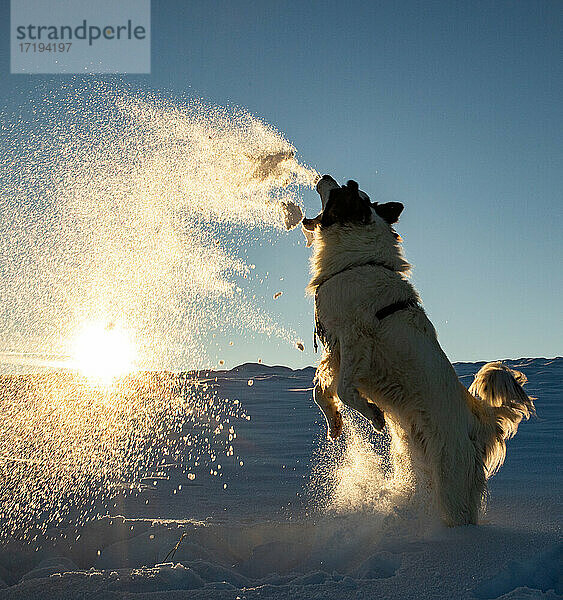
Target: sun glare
{"points": [[104, 352]]}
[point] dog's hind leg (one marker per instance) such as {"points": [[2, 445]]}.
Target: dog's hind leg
{"points": [[354, 365], [460, 483]]}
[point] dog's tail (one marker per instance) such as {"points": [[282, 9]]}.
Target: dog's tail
{"points": [[500, 390]]}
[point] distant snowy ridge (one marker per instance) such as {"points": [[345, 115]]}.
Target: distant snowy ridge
{"points": [[252, 369]]}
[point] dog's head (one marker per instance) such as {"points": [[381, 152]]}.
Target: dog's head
{"points": [[348, 205]]}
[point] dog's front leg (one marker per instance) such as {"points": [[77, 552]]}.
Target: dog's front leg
{"points": [[354, 365], [326, 402]]}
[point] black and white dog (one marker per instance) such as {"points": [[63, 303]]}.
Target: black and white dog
{"points": [[382, 358]]}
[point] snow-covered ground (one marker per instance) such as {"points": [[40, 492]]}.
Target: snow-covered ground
{"points": [[305, 518]]}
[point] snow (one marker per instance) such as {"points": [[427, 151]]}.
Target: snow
{"points": [[542, 573], [305, 518]]}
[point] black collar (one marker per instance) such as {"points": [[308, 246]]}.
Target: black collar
{"points": [[371, 263]]}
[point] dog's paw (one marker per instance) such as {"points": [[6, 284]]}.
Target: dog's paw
{"points": [[377, 418], [335, 426]]}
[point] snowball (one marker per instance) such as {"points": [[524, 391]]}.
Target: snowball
{"points": [[292, 214]]}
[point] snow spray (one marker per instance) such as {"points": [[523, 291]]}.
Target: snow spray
{"points": [[138, 211], [368, 479], [129, 213]]}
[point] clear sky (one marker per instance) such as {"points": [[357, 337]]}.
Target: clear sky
{"points": [[452, 108]]}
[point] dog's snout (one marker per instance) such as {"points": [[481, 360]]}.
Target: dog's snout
{"points": [[326, 180], [324, 185]]}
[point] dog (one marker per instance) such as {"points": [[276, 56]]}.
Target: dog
{"points": [[382, 358]]}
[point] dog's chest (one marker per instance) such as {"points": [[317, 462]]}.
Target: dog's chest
{"points": [[333, 313], [322, 331]]}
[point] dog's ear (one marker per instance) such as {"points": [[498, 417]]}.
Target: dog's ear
{"points": [[352, 186], [389, 211], [345, 205]]}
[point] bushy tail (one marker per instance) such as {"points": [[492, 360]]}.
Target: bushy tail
{"points": [[500, 388]]}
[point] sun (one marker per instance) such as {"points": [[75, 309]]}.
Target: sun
{"points": [[104, 352]]}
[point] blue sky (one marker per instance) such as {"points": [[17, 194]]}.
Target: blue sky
{"points": [[453, 108]]}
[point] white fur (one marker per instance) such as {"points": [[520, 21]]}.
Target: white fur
{"points": [[457, 437]]}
